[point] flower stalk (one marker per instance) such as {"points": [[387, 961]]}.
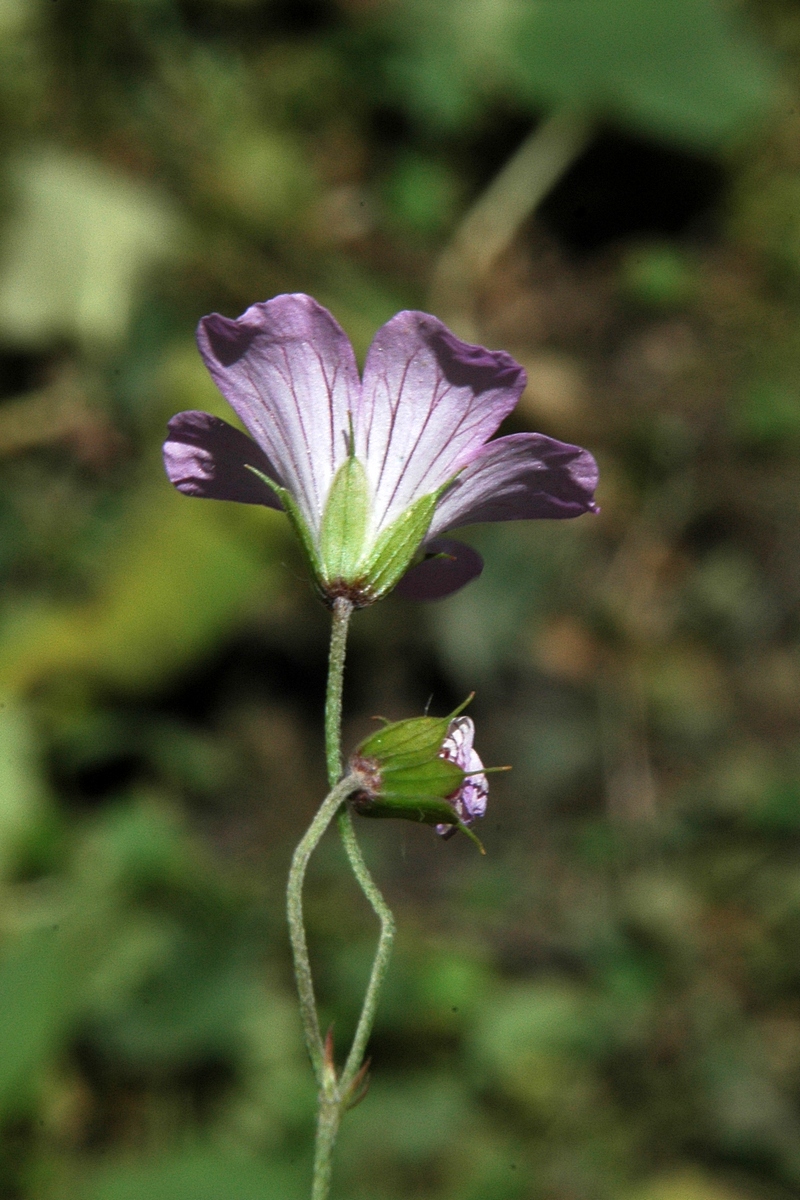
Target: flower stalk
{"points": [[335, 1093], [297, 933], [342, 611]]}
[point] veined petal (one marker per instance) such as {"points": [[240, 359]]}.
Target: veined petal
{"points": [[430, 402], [522, 477], [450, 565], [470, 800], [205, 456], [287, 369]]}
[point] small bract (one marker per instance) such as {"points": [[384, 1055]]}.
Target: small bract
{"points": [[371, 473]]}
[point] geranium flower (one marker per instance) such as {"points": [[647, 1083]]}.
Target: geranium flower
{"points": [[371, 473]]}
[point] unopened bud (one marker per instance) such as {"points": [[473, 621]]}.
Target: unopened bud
{"points": [[423, 769]]}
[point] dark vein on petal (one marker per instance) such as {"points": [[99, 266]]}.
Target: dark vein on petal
{"points": [[410, 455], [393, 408], [299, 415], [278, 416]]}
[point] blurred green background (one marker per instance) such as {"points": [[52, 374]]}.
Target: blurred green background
{"points": [[606, 1007]]}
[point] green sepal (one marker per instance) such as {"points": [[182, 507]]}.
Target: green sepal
{"points": [[414, 740], [407, 743], [426, 810], [437, 777], [296, 518], [344, 523], [396, 548]]}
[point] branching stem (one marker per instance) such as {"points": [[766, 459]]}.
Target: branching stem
{"points": [[335, 1094], [297, 932]]}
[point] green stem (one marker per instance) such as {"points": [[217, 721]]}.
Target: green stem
{"points": [[297, 933], [328, 1121], [382, 955], [334, 1094], [342, 611]]}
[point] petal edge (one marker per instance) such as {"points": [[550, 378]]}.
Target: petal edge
{"points": [[430, 403], [205, 456], [287, 369], [523, 477]]}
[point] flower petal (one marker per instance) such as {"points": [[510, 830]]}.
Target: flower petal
{"points": [[205, 456], [451, 566], [470, 800], [522, 477], [430, 403], [288, 370]]}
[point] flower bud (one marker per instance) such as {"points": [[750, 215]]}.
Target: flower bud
{"points": [[423, 769]]}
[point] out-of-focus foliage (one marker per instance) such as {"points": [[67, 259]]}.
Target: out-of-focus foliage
{"points": [[676, 68], [607, 1006]]}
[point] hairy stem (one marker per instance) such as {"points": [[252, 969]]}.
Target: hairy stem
{"points": [[382, 955], [334, 1094], [328, 1121], [297, 932], [342, 611]]}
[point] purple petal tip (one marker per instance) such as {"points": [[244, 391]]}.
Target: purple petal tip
{"points": [[205, 456]]}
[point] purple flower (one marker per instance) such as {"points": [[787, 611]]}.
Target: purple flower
{"points": [[371, 473], [469, 801]]}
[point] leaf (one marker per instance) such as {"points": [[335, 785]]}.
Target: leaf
{"points": [[22, 787], [425, 810], [79, 242], [43, 986], [178, 576], [438, 777], [687, 70], [199, 1173], [411, 741], [683, 69]]}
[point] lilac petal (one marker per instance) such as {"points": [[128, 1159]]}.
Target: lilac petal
{"points": [[451, 566], [470, 800], [430, 403], [522, 477], [205, 456], [288, 370]]}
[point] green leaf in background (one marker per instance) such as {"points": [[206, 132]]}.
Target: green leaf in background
{"points": [[24, 799], [77, 248], [422, 195], [539, 1040], [204, 1173], [418, 1117], [261, 175], [680, 69], [448, 58], [767, 416], [684, 1184], [685, 70], [180, 573], [42, 987], [658, 276]]}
